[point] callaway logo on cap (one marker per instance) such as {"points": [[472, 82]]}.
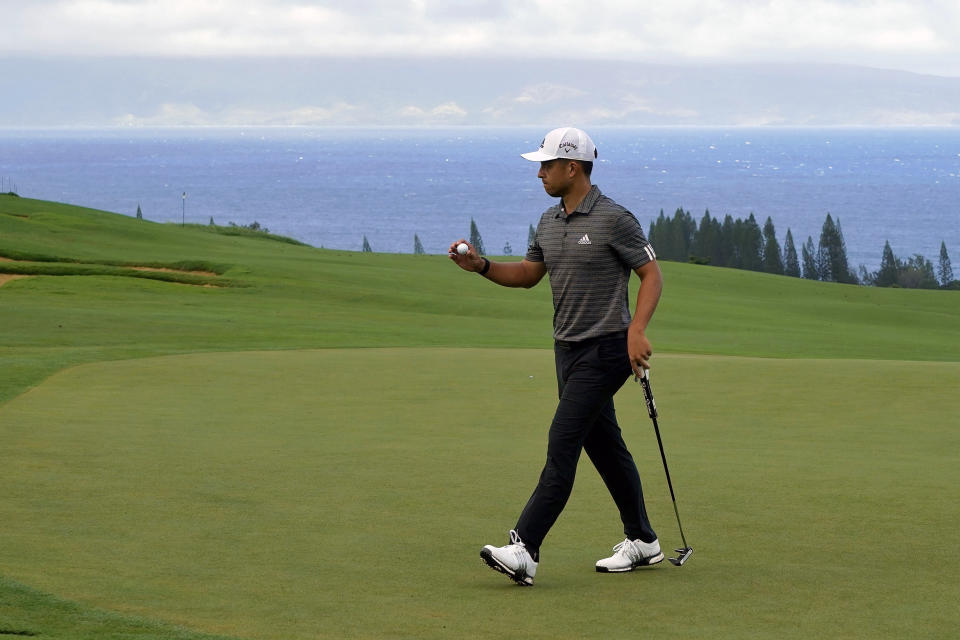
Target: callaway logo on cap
{"points": [[566, 142]]}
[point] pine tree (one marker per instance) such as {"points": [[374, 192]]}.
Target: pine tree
{"points": [[832, 254], [889, 268], [791, 265], [681, 232], [751, 247], [366, 245], [728, 243], [475, 240], [212, 223], [706, 242], [828, 233], [417, 246], [848, 275], [531, 236], [772, 260], [810, 269], [139, 212], [944, 270]]}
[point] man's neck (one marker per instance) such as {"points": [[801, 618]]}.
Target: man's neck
{"points": [[576, 194]]}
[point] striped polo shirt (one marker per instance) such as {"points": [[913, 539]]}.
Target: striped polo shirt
{"points": [[589, 254]]}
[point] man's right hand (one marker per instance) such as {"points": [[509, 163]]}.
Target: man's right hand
{"points": [[469, 261]]}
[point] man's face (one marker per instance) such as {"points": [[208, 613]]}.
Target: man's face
{"points": [[557, 177]]}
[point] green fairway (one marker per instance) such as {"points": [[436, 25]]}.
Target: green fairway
{"points": [[318, 445]]}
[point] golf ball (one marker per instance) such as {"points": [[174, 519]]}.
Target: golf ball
{"points": [[462, 248]]}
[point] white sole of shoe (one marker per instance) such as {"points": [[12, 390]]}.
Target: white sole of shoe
{"points": [[520, 577], [643, 562]]}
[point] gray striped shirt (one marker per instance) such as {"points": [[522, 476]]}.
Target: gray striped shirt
{"points": [[589, 255]]}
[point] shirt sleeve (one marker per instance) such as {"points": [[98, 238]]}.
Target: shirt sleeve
{"points": [[535, 251], [629, 243]]}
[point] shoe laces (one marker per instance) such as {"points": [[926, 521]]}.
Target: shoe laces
{"points": [[519, 549], [628, 549]]}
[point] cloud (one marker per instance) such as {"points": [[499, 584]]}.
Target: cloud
{"points": [[446, 112], [920, 35], [545, 92], [188, 114]]}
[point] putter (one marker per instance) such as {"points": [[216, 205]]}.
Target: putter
{"points": [[687, 550]]}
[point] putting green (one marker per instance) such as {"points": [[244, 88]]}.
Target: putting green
{"points": [[346, 494]]}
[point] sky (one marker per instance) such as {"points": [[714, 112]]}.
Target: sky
{"points": [[914, 35], [539, 36]]}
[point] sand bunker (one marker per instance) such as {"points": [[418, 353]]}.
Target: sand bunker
{"points": [[7, 277]]}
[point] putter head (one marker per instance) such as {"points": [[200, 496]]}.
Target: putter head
{"points": [[685, 554]]}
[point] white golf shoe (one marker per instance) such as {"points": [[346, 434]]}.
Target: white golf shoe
{"points": [[630, 554], [513, 560]]}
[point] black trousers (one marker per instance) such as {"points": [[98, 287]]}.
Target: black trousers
{"points": [[588, 375]]}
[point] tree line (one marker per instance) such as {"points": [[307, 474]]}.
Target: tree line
{"points": [[744, 244]]}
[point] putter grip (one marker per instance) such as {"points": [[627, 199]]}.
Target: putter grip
{"points": [[648, 394]]}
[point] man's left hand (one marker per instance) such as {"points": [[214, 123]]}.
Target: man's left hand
{"points": [[639, 350]]}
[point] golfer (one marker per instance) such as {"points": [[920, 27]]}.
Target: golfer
{"points": [[589, 245]]}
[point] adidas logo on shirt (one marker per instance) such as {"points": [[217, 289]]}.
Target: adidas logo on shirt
{"points": [[584, 240]]}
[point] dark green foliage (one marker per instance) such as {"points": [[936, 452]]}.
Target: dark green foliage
{"points": [[913, 273], [475, 240], [916, 273], [366, 245], [253, 226], [707, 246], [832, 254], [728, 243], [417, 246], [809, 253], [140, 213], [751, 244], [791, 265], [889, 268], [772, 259], [531, 236], [944, 270], [672, 238]]}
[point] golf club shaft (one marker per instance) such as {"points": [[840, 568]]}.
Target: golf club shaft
{"points": [[652, 410]]}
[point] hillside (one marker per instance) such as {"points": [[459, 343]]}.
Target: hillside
{"points": [[222, 293]]}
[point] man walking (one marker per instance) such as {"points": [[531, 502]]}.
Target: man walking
{"points": [[589, 245]]}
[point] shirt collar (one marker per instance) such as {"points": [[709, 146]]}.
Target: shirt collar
{"points": [[585, 205]]}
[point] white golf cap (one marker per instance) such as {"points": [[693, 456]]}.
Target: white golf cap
{"points": [[566, 142]]}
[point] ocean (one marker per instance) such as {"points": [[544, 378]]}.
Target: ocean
{"points": [[331, 187]]}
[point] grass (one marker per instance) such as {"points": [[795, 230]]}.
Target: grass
{"points": [[286, 296], [28, 613], [197, 490], [212, 457]]}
